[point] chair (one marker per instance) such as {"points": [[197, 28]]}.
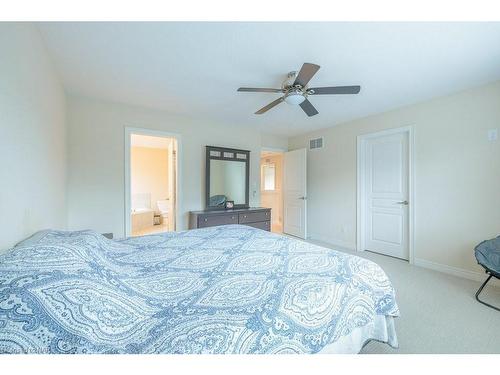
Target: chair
{"points": [[488, 256]]}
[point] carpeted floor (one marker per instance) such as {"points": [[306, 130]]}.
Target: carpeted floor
{"points": [[439, 313]]}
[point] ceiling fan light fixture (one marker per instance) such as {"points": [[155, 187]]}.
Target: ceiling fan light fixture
{"points": [[294, 98]]}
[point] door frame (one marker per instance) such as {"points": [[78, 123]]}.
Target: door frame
{"points": [[361, 196], [178, 189]]}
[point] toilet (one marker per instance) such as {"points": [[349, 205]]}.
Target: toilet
{"points": [[163, 209]]}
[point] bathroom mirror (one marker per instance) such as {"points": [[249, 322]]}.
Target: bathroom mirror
{"points": [[227, 176]]}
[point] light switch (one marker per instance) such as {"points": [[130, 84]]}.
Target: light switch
{"points": [[492, 134]]}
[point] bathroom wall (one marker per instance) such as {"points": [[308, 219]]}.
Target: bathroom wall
{"points": [[32, 137], [149, 173]]}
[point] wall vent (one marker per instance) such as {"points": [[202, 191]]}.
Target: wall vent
{"points": [[316, 143]]}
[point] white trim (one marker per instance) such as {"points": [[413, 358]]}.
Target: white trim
{"points": [[455, 271], [361, 139], [157, 133]]}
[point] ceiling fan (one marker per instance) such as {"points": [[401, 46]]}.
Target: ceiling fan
{"points": [[296, 91]]}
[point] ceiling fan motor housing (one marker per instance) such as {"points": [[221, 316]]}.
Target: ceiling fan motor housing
{"points": [[294, 95], [289, 80]]}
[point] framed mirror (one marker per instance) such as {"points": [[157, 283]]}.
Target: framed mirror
{"points": [[227, 178]]}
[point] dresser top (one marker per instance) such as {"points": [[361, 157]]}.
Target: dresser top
{"points": [[216, 212]]}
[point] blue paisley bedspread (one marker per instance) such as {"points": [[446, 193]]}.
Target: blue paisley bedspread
{"points": [[228, 289]]}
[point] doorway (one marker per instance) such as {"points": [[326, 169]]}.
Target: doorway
{"points": [[385, 201], [271, 186], [151, 183]]}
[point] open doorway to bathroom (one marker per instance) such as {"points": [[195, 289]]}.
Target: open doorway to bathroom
{"points": [[271, 186], [152, 184]]}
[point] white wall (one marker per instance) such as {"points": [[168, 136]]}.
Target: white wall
{"points": [[32, 137], [96, 159], [457, 176], [274, 142]]}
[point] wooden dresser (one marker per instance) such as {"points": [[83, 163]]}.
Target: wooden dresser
{"points": [[256, 217]]}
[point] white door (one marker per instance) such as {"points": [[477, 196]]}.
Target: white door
{"points": [[386, 194], [294, 212]]}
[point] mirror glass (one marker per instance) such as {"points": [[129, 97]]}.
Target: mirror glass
{"points": [[227, 182]]}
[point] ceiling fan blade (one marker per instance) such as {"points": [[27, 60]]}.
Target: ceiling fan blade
{"points": [[306, 73], [334, 90], [269, 106], [308, 108], [252, 89]]}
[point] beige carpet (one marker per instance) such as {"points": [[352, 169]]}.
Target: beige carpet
{"points": [[439, 313]]}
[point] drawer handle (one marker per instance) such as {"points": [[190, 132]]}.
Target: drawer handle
{"points": [[232, 217], [245, 216], [206, 220], [267, 213]]}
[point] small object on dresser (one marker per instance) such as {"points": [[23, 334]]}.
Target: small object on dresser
{"points": [[108, 235], [229, 205]]}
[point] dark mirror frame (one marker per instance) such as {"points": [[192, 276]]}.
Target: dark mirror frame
{"points": [[223, 150]]}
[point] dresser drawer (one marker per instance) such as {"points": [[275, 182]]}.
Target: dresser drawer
{"points": [[264, 225], [214, 220], [253, 217]]}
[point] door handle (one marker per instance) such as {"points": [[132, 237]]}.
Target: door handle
{"points": [[405, 203], [303, 198]]}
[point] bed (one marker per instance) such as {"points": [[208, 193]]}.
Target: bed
{"points": [[226, 289]]}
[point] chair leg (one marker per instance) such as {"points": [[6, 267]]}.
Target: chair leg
{"points": [[480, 290]]}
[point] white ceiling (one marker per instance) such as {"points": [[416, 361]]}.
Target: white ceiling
{"points": [[194, 69]]}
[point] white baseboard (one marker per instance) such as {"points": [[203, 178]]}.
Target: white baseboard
{"points": [[332, 241], [455, 271]]}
